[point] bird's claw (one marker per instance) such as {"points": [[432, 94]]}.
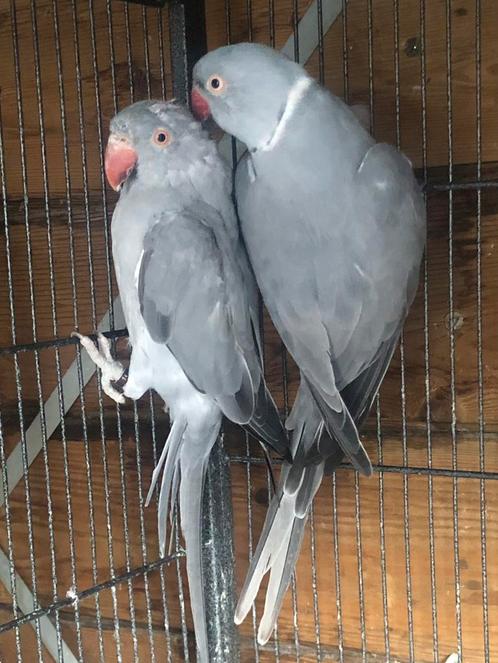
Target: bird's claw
{"points": [[111, 369]]}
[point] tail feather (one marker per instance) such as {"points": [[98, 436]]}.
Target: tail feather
{"points": [[280, 541], [185, 458], [194, 458], [277, 522], [280, 577], [174, 493], [158, 468], [278, 549], [321, 437], [312, 479], [266, 424], [342, 428], [169, 482], [173, 442], [305, 440]]}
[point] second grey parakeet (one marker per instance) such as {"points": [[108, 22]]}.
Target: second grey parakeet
{"points": [[190, 303], [334, 224]]}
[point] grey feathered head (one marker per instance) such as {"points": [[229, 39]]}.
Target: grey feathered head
{"points": [[245, 88], [149, 138]]}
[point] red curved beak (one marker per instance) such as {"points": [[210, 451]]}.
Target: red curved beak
{"points": [[200, 106], [120, 159]]}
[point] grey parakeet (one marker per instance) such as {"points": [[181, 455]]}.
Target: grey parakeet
{"points": [[190, 303], [334, 224]]}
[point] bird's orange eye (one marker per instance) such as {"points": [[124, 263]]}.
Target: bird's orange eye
{"points": [[162, 137], [215, 84]]}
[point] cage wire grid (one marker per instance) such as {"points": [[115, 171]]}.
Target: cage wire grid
{"points": [[81, 575]]}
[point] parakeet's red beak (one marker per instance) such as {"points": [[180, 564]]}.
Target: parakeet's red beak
{"points": [[120, 159], [200, 106]]}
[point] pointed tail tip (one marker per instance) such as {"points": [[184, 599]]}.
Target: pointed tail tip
{"points": [[240, 614], [362, 464], [264, 633], [368, 469]]}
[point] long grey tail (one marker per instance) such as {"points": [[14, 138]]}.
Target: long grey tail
{"points": [[320, 439], [185, 459], [280, 541], [193, 465]]}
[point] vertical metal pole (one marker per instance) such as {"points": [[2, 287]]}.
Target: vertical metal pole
{"points": [[219, 559], [188, 43], [187, 26]]}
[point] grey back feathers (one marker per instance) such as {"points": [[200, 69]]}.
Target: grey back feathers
{"points": [[186, 302]]}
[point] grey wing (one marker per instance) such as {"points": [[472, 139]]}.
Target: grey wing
{"points": [[226, 229], [360, 393], [243, 304], [358, 397], [216, 204], [185, 303], [364, 300], [344, 334]]}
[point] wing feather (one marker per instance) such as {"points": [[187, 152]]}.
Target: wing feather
{"points": [[197, 295]]}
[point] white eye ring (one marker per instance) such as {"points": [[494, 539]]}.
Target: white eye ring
{"points": [[162, 137], [215, 84]]}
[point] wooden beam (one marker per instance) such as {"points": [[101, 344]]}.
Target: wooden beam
{"points": [[82, 208], [26, 603]]}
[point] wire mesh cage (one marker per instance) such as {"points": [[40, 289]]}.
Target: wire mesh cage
{"points": [[400, 567]]}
